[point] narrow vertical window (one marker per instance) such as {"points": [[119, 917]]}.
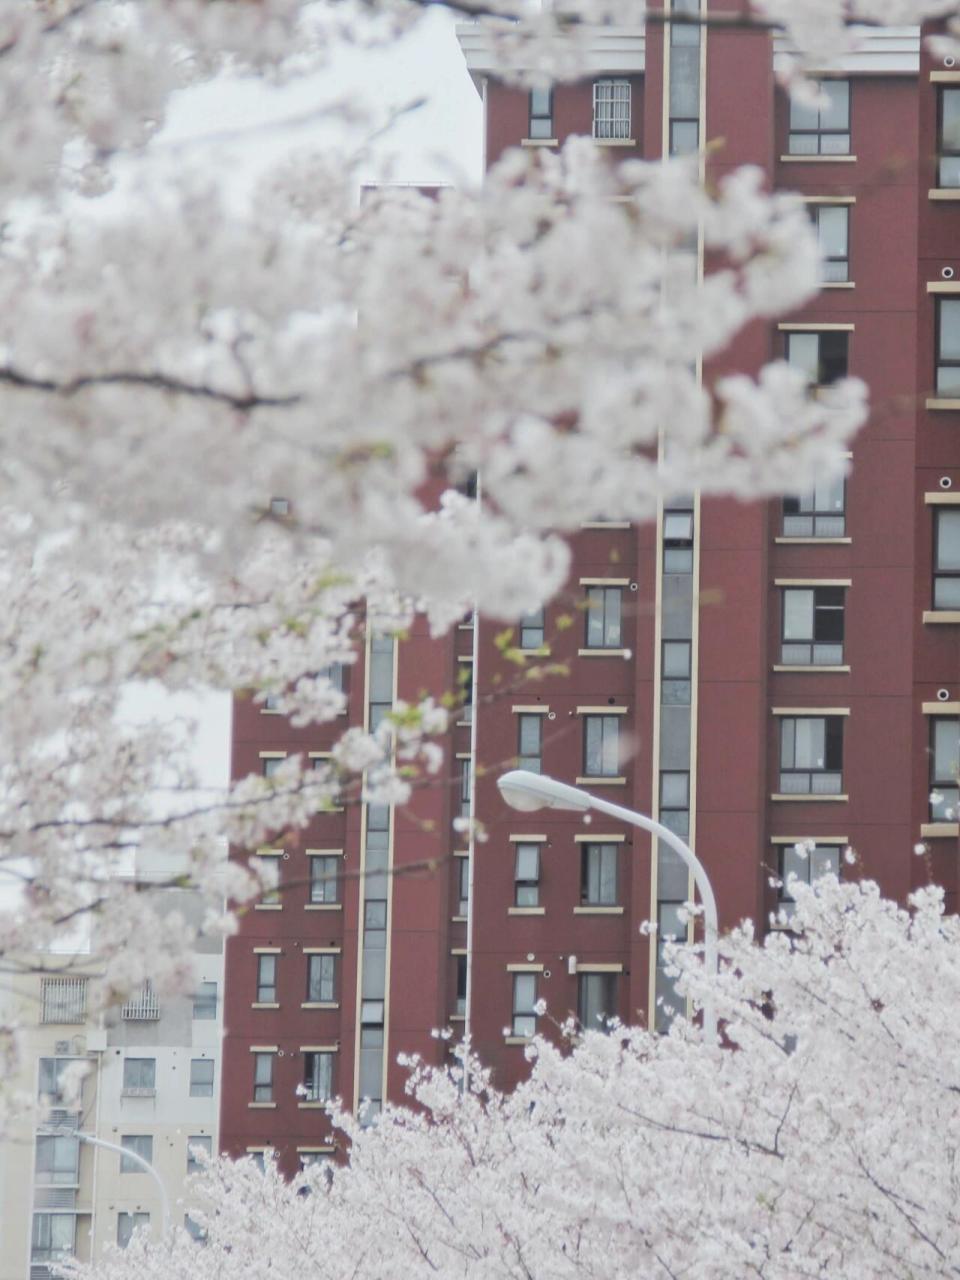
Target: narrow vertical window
{"points": [[596, 1000], [946, 558], [463, 886], [675, 682], [948, 139], [945, 769], [321, 979], [675, 802], [601, 746], [263, 1077], [598, 875], [948, 347], [317, 1077], [460, 1007], [832, 222], [532, 630], [465, 775], [604, 606], [530, 748], [266, 979], [678, 541], [324, 878], [541, 113], [201, 1077], [524, 999], [527, 876], [611, 109]]}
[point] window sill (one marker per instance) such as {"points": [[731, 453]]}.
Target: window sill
{"points": [[604, 653], [598, 911], [268, 906], [457, 1017], [941, 616], [601, 782], [606, 524], [810, 667], [311, 1106], [944, 193], [818, 159], [270, 711], [319, 1004], [809, 799], [261, 1106], [813, 542], [458, 919], [615, 142], [942, 404], [323, 906], [838, 284], [541, 651], [934, 830], [265, 1004], [526, 911], [539, 142], [517, 1039]]}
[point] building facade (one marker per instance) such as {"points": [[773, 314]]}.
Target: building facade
{"points": [[144, 1078], [754, 675]]}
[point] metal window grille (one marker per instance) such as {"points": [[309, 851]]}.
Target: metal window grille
{"points": [[142, 1007], [63, 1000], [611, 109]]}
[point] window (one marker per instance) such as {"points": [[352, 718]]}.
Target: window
{"points": [[807, 862], [820, 514], [63, 1000], [139, 1145], [948, 347], [140, 1077], [541, 113], [317, 1077], [279, 506], [821, 357], [611, 109], [194, 1229], [321, 979], [201, 1077], [270, 764], [675, 673], [530, 748], [333, 673], [948, 137], [601, 746], [527, 876], [824, 127], [324, 879], [946, 558], [58, 1160], [263, 1077], [127, 1223], [463, 886], [812, 626], [811, 755], [944, 769], [596, 1000], [832, 222], [461, 1005], [603, 617], [598, 875], [49, 1085], [684, 81], [198, 1143], [532, 628], [524, 998], [678, 541], [53, 1237], [675, 802], [464, 788], [266, 979], [205, 1002]]}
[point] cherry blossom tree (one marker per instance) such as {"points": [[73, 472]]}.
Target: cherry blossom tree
{"points": [[174, 359], [822, 1140]]}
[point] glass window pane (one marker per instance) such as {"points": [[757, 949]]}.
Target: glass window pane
{"points": [[948, 539], [950, 119], [803, 354], [949, 329], [946, 750], [528, 861], [810, 738], [835, 111], [798, 614], [539, 102], [832, 230]]}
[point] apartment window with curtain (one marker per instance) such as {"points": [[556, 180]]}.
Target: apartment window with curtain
{"points": [[524, 1021], [948, 139], [57, 1160], [944, 769], [263, 1077], [601, 746], [821, 127], [321, 979], [317, 1077], [527, 876], [807, 862], [266, 979], [604, 608], [832, 222], [611, 109], [530, 742], [818, 514], [541, 114], [139, 1077], [598, 875], [812, 626], [324, 878], [596, 1000], [811, 755], [53, 1237], [821, 356], [948, 347], [946, 558]]}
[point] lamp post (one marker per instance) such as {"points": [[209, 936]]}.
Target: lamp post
{"points": [[137, 1159], [531, 791]]}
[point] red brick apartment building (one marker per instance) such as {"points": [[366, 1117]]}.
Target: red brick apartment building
{"points": [[781, 670]]}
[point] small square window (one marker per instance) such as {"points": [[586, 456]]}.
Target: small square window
{"points": [[138, 1145]]}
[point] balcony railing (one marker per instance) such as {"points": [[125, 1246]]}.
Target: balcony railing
{"points": [[143, 1007]]}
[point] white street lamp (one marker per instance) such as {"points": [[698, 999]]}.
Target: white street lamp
{"points": [[531, 791], [137, 1159]]}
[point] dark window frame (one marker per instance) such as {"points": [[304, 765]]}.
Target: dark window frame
{"points": [[540, 121], [324, 887], [840, 274], [801, 131], [947, 786], [526, 886], [608, 984], [266, 987], [523, 1023], [594, 883], [825, 377], [940, 575], [833, 734], [944, 364], [607, 722], [824, 522], [530, 760], [324, 980], [944, 152], [603, 617], [825, 609]]}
